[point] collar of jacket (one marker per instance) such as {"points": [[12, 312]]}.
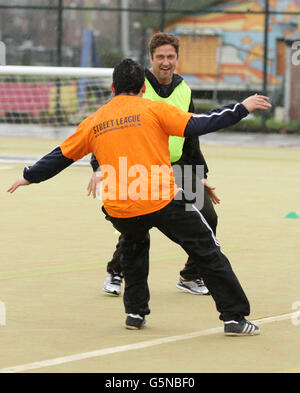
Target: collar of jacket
{"points": [[163, 91]]}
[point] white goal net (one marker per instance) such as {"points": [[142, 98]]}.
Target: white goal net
{"points": [[53, 97]]}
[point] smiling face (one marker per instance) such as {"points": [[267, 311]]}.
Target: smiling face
{"points": [[164, 61]]}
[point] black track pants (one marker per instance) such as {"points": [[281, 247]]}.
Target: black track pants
{"points": [[186, 176], [189, 230]]}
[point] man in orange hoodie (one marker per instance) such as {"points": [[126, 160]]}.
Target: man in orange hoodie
{"points": [[129, 137]]}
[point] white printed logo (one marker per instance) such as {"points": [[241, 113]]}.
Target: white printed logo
{"points": [[2, 314]]}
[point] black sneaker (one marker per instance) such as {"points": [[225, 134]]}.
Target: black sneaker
{"points": [[240, 328], [134, 322]]}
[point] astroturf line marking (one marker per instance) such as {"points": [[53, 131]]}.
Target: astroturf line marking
{"points": [[129, 347]]}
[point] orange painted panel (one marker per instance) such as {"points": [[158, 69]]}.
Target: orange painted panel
{"points": [[198, 55]]}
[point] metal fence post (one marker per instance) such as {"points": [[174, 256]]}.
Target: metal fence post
{"points": [[59, 53], [59, 33], [265, 67], [163, 15]]}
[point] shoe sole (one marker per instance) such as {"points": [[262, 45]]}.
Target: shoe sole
{"points": [[257, 333], [191, 292], [135, 327], [114, 293]]}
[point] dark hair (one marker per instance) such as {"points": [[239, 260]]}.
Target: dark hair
{"points": [[160, 39], [128, 77]]}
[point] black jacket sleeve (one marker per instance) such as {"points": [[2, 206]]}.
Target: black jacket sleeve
{"points": [[191, 153], [48, 166], [216, 119], [94, 163]]}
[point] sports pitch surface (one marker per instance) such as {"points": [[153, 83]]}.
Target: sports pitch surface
{"points": [[55, 244]]}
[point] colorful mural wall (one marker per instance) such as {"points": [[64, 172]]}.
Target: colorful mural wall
{"points": [[231, 46]]}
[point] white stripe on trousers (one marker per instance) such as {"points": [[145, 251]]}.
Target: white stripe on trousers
{"points": [[206, 223]]}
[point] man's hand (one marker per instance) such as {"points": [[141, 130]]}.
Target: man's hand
{"points": [[20, 182], [211, 192], [92, 186], [256, 102]]}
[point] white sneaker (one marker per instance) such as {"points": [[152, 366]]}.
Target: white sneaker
{"points": [[195, 287], [112, 284]]}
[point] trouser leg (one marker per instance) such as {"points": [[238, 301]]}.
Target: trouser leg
{"points": [[135, 266], [114, 266], [187, 178], [191, 269], [134, 261], [188, 229]]}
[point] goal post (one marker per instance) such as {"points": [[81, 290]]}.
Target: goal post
{"points": [[51, 96], [57, 71]]}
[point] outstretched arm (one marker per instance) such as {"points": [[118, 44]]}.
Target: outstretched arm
{"points": [[72, 149], [224, 117], [45, 168]]}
